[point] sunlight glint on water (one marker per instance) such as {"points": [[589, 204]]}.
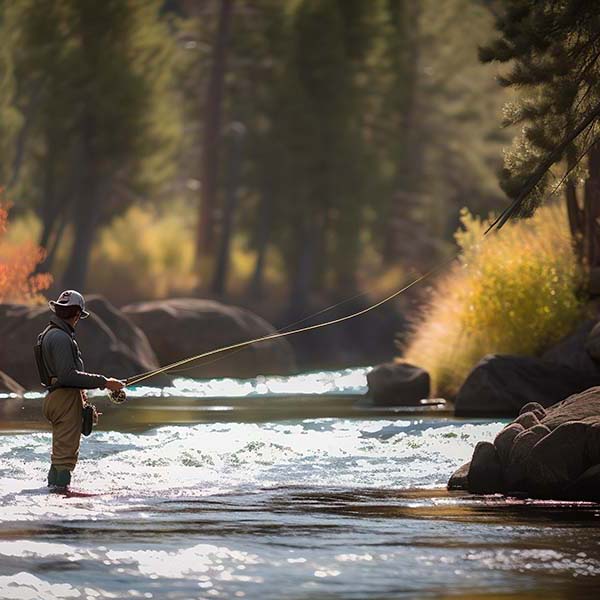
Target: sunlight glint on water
{"points": [[337, 508]]}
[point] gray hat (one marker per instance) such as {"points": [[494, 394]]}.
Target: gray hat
{"points": [[70, 298]]}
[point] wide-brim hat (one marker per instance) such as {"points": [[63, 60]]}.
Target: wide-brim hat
{"points": [[70, 298]]}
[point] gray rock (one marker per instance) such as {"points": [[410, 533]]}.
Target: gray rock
{"points": [[586, 486], [592, 344], [398, 384], [485, 474], [517, 469], [558, 458], [534, 407], [527, 420], [182, 327], [573, 350], [119, 350], [460, 478], [504, 441], [500, 386]]}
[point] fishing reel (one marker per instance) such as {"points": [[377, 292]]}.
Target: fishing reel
{"points": [[117, 396]]}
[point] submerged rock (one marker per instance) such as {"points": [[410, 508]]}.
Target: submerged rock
{"points": [[500, 386], [398, 384], [557, 457], [182, 327], [110, 343]]}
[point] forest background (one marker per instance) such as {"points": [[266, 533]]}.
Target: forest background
{"points": [[286, 155], [291, 152]]}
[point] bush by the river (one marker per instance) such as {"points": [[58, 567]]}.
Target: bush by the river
{"points": [[514, 292]]}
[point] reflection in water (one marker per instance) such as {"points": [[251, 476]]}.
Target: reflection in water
{"points": [[317, 508]]}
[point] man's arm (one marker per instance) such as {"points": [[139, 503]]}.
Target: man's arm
{"points": [[61, 351]]}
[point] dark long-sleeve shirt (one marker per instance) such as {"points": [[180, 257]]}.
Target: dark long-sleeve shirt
{"points": [[63, 359]]}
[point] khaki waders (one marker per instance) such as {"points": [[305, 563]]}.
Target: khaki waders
{"points": [[63, 408]]}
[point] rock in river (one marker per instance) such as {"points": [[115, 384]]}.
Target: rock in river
{"points": [[181, 327], [499, 386], [398, 383], [110, 343], [557, 457]]}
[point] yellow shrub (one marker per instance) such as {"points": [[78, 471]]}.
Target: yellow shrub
{"points": [[513, 293], [144, 255]]}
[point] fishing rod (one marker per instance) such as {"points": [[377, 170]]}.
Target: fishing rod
{"points": [[119, 396]]}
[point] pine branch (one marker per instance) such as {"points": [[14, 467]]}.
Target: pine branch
{"points": [[542, 169]]}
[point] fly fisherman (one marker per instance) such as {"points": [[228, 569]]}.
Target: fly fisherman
{"points": [[61, 372]]}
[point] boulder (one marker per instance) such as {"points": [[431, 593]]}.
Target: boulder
{"points": [[485, 474], [179, 328], [499, 386], [516, 468], [504, 441], [115, 347], [587, 486], [9, 386], [592, 344], [576, 349], [535, 407], [460, 478], [527, 419], [557, 458], [398, 384]]}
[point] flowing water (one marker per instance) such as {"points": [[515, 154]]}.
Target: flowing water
{"points": [[338, 507]]}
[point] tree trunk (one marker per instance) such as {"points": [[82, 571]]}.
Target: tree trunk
{"points": [[86, 209], [304, 273], [212, 133], [256, 288], [592, 209], [575, 215], [235, 160], [405, 19]]}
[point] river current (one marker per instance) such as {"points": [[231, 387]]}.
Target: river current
{"points": [[335, 507]]}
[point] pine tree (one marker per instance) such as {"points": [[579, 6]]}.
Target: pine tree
{"points": [[10, 117], [105, 129], [553, 49]]}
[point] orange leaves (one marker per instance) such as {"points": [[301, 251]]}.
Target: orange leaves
{"points": [[18, 282]]}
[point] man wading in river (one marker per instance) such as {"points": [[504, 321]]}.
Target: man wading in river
{"points": [[61, 372]]}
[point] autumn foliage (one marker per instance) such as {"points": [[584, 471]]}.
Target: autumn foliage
{"points": [[18, 282]]}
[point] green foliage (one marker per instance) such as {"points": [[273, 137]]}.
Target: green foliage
{"points": [[10, 117], [551, 49], [515, 292]]}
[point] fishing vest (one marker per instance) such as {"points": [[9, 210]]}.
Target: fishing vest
{"points": [[45, 376]]}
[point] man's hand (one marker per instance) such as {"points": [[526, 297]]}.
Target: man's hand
{"points": [[114, 385]]}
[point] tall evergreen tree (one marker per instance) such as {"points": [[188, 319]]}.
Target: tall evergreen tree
{"points": [[10, 117], [105, 125], [553, 49]]}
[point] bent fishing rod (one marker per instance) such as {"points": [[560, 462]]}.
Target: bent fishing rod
{"points": [[496, 225], [136, 379]]}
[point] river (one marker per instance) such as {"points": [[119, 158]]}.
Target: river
{"points": [[299, 508]]}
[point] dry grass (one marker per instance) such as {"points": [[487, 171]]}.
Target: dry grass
{"points": [[513, 293]]}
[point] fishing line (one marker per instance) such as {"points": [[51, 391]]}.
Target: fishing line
{"points": [[143, 376], [136, 379], [280, 330]]}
